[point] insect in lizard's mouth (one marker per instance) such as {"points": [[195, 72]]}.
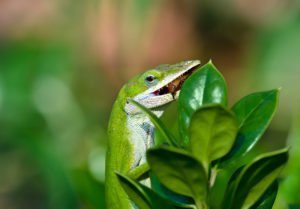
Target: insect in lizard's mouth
{"points": [[174, 86], [168, 89]]}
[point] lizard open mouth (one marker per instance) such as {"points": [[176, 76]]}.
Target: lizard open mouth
{"points": [[174, 86], [168, 88]]}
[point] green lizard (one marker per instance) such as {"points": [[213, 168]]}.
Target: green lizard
{"points": [[130, 131]]}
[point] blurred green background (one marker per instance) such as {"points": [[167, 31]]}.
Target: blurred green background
{"points": [[62, 63]]}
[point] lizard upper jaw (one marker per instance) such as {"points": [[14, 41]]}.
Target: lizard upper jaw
{"points": [[175, 85]]}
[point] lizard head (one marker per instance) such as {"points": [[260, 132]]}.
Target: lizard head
{"points": [[159, 86]]}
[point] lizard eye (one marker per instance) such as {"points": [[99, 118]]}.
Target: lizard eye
{"points": [[150, 79]]}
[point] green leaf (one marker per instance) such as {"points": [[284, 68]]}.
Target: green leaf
{"points": [[179, 172], [268, 198], [169, 138], [140, 172], [144, 197], [254, 180], [212, 133], [168, 194], [205, 86], [135, 192], [254, 113], [231, 186]]}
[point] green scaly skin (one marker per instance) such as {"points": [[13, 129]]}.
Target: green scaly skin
{"points": [[124, 153], [115, 197]]}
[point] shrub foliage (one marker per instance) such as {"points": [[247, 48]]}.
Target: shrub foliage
{"points": [[213, 138]]}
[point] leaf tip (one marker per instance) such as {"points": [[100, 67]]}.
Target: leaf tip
{"points": [[118, 174], [210, 63]]}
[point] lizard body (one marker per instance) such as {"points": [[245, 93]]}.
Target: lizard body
{"points": [[130, 131]]}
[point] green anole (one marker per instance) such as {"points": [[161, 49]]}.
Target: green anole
{"points": [[131, 132]]}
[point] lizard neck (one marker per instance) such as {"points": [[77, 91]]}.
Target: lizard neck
{"points": [[141, 133], [130, 135], [135, 129]]}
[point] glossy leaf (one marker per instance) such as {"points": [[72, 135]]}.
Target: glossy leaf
{"points": [[205, 86], [135, 192], [140, 172], [231, 186], [168, 194], [169, 138], [254, 113], [144, 197], [254, 180], [212, 133], [268, 198], [179, 172]]}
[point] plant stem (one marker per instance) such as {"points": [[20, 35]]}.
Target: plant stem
{"points": [[213, 177], [201, 205]]}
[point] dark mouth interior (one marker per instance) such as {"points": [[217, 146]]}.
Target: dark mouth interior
{"points": [[176, 84]]}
